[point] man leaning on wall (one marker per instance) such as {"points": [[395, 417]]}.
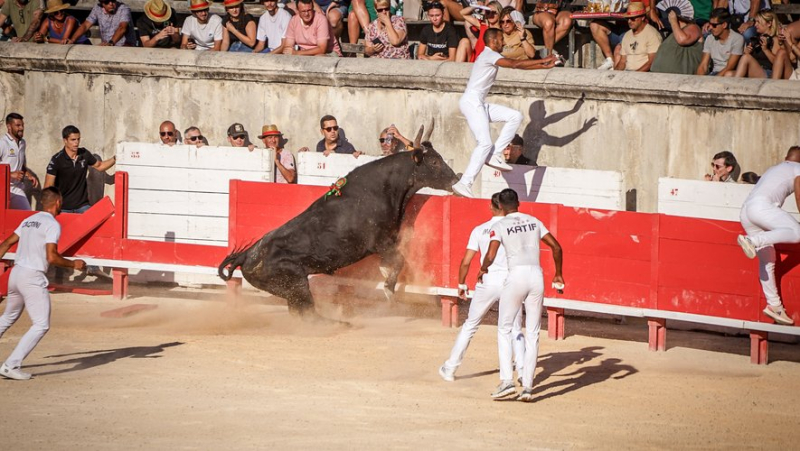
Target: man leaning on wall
{"points": [[26, 16]]}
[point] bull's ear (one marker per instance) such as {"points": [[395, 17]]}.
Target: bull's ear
{"points": [[417, 154]]}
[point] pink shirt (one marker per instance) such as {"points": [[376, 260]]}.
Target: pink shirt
{"points": [[287, 160], [307, 36]]}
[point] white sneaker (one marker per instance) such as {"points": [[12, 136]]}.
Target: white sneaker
{"points": [[498, 162], [504, 389], [463, 190], [447, 374], [779, 316], [608, 64], [13, 373], [747, 246], [526, 395]]}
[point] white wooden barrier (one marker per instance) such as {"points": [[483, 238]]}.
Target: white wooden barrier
{"points": [[709, 200], [180, 193], [314, 168], [571, 187]]}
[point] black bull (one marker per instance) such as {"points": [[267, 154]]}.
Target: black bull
{"points": [[335, 232]]}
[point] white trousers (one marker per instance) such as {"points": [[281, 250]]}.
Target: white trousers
{"points": [[523, 284], [485, 296], [27, 289], [766, 225], [479, 115]]}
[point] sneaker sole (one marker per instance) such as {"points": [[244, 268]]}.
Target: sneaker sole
{"points": [[505, 168], [445, 376], [504, 393], [463, 194], [525, 398], [777, 318], [747, 247]]}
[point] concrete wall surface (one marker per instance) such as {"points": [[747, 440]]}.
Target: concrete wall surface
{"points": [[645, 126]]}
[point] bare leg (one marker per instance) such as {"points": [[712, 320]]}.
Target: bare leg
{"points": [[452, 10], [600, 34], [464, 51], [392, 262], [360, 8], [335, 19], [353, 28], [563, 24], [547, 23], [749, 67]]}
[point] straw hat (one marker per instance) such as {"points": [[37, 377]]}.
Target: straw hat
{"points": [[635, 9], [55, 5], [199, 5], [269, 130], [157, 11], [229, 3]]}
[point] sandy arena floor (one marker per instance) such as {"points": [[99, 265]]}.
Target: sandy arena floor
{"points": [[212, 374]]}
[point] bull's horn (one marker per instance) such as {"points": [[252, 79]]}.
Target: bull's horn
{"points": [[429, 132], [418, 139]]}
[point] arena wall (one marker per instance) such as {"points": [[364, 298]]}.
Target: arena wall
{"points": [[648, 125]]}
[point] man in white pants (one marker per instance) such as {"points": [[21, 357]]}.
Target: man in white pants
{"points": [[27, 286], [479, 113], [487, 293], [767, 224], [12, 153], [520, 234]]}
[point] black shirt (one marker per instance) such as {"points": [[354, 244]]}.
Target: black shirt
{"points": [[439, 42], [241, 26], [71, 176], [342, 144], [523, 160], [147, 27]]}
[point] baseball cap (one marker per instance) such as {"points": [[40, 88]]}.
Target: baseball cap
{"points": [[236, 130]]}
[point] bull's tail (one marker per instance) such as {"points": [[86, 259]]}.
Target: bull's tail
{"points": [[231, 262]]}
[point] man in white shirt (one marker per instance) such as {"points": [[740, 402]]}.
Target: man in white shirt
{"points": [[272, 27], [479, 113], [487, 293], [767, 224], [520, 234], [37, 236], [12, 153]]}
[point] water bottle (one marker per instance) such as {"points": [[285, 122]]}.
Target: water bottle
{"points": [[399, 9], [389, 138]]}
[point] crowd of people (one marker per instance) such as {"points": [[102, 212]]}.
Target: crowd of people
{"points": [[717, 37]]}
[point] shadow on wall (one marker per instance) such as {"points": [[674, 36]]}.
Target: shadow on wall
{"points": [[535, 136]]}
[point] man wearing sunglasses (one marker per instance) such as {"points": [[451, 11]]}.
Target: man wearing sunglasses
{"points": [[114, 21], [26, 16], [333, 139], [723, 168], [723, 46], [640, 44], [168, 134], [192, 136]]}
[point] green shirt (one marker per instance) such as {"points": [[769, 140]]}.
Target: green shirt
{"points": [[702, 9], [21, 16]]}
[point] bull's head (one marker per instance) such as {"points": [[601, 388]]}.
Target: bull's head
{"points": [[431, 171]]}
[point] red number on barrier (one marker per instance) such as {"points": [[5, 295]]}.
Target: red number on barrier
{"points": [[320, 165], [497, 173], [674, 191]]}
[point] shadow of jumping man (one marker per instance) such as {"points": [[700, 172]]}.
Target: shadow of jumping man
{"points": [[91, 359], [585, 377], [535, 136]]}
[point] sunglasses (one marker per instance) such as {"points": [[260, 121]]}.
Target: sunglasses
{"points": [[194, 138], [717, 166], [166, 133], [381, 10], [715, 25], [506, 21], [384, 140], [330, 129], [491, 13], [238, 137]]}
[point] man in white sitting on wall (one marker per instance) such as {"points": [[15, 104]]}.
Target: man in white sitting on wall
{"points": [[272, 28]]}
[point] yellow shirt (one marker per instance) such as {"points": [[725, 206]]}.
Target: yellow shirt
{"points": [[512, 49], [636, 47]]}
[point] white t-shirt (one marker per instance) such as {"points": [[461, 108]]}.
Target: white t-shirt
{"points": [[14, 156], [484, 72], [34, 233], [273, 28], [204, 34], [520, 235], [776, 184], [479, 241]]}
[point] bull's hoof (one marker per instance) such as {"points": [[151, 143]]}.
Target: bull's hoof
{"points": [[389, 294], [316, 318]]}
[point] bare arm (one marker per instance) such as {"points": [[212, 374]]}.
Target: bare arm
{"points": [[545, 63], [288, 174], [558, 259], [797, 191], [702, 68], [85, 26], [646, 66], [468, 17], [684, 36], [38, 15], [488, 259], [118, 34], [49, 180], [54, 258], [104, 165], [322, 45], [733, 60], [6, 245], [463, 270]]}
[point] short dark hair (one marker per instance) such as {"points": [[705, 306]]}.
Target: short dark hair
{"points": [[306, 2], [326, 118], [50, 195], [730, 160], [13, 116], [433, 5], [721, 14], [490, 34], [517, 141], [751, 178], [69, 130], [496, 201], [508, 198], [506, 11]]}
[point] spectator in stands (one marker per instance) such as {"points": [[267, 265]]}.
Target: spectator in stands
{"points": [[722, 48], [335, 12], [439, 41], [681, 51], [702, 11], [12, 153], [156, 29], [168, 135], [67, 171], [386, 36], [238, 137], [202, 31], [333, 139], [513, 153], [750, 178], [744, 11], [392, 141], [359, 16], [518, 42], [787, 36], [57, 26], [723, 167], [477, 26], [285, 171], [25, 15], [454, 8], [115, 23], [608, 36], [555, 24], [766, 58], [272, 27], [310, 33], [238, 28], [640, 44], [194, 137]]}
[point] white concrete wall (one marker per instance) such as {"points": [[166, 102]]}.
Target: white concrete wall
{"points": [[647, 125]]}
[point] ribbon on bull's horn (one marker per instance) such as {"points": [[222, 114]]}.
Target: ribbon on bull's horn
{"points": [[336, 188]]}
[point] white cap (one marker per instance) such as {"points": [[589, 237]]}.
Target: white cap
{"points": [[517, 17]]}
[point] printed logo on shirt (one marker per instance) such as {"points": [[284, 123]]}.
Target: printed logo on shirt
{"points": [[34, 224], [491, 234], [521, 228]]}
